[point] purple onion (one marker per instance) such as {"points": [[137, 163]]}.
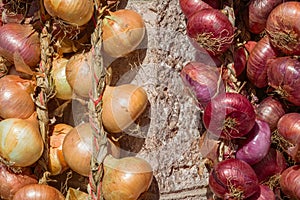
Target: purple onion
{"points": [[256, 146], [202, 80], [264, 193]]}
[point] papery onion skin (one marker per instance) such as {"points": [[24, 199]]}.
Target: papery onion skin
{"points": [[259, 11], [11, 182], [240, 58], [289, 182], [202, 80], [283, 27], [233, 177], [210, 31], [20, 42], [122, 31], [272, 164], [20, 141], [229, 115], [189, 7], [122, 105], [265, 193], [15, 97], [257, 62], [38, 192], [76, 12], [270, 110], [126, 178], [284, 76], [256, 145]]}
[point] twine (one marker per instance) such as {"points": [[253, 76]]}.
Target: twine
{"points": [[45, 91], [95, 110]]}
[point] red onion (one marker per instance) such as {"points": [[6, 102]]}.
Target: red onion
{"points": [[233, 179], [289, 182], [273, 163], [20, 44], [11, 182], [264, 193], [270, 110], [189, 7], [240, 58], [283, 27], [259, 11], [289, 127], [284, 75], [257, 62], [202, 80], [257, 145], [210, 30], [229, 115]]}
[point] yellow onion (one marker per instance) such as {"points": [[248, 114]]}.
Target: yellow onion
{"points": [[57, 163], [38, 192], [76, 12], [126, 178], [20, 141], [78, 73], [123, 30], [122, 105], [62, 86], [78, 146], [15, 97]]}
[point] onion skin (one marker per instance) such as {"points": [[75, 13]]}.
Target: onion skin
{"points": [[283, 27], [122, 105], [202, 80], [273, 163], [259, 11], [257, 62], [20, 42], [284, 76], [240, 58], [233, 178], [11, 182], [38, 192], [265, 193], [123, 31], [76, 12], [270, 110], [229, 115], [257, 143], [126, 178], [289, 182], [206, 38], [189, 7], [15, 94]]}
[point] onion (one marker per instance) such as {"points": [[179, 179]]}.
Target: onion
{"points": [[257, 62], [202, 80], [11, 182], [126, 178], [264, 193], [283, 27], [189, 7], [233, 179], [257, 143], [259, 11], [15, 97], [270, 110], [123, 30], [38, 192], [75, 12], [289, 127], [272, 164], [289, 182], [240, 58], [229, 115], [20, 44], [283, 75], [207, 38]]}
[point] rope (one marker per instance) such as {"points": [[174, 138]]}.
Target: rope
{"points": [[95, 110]]}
